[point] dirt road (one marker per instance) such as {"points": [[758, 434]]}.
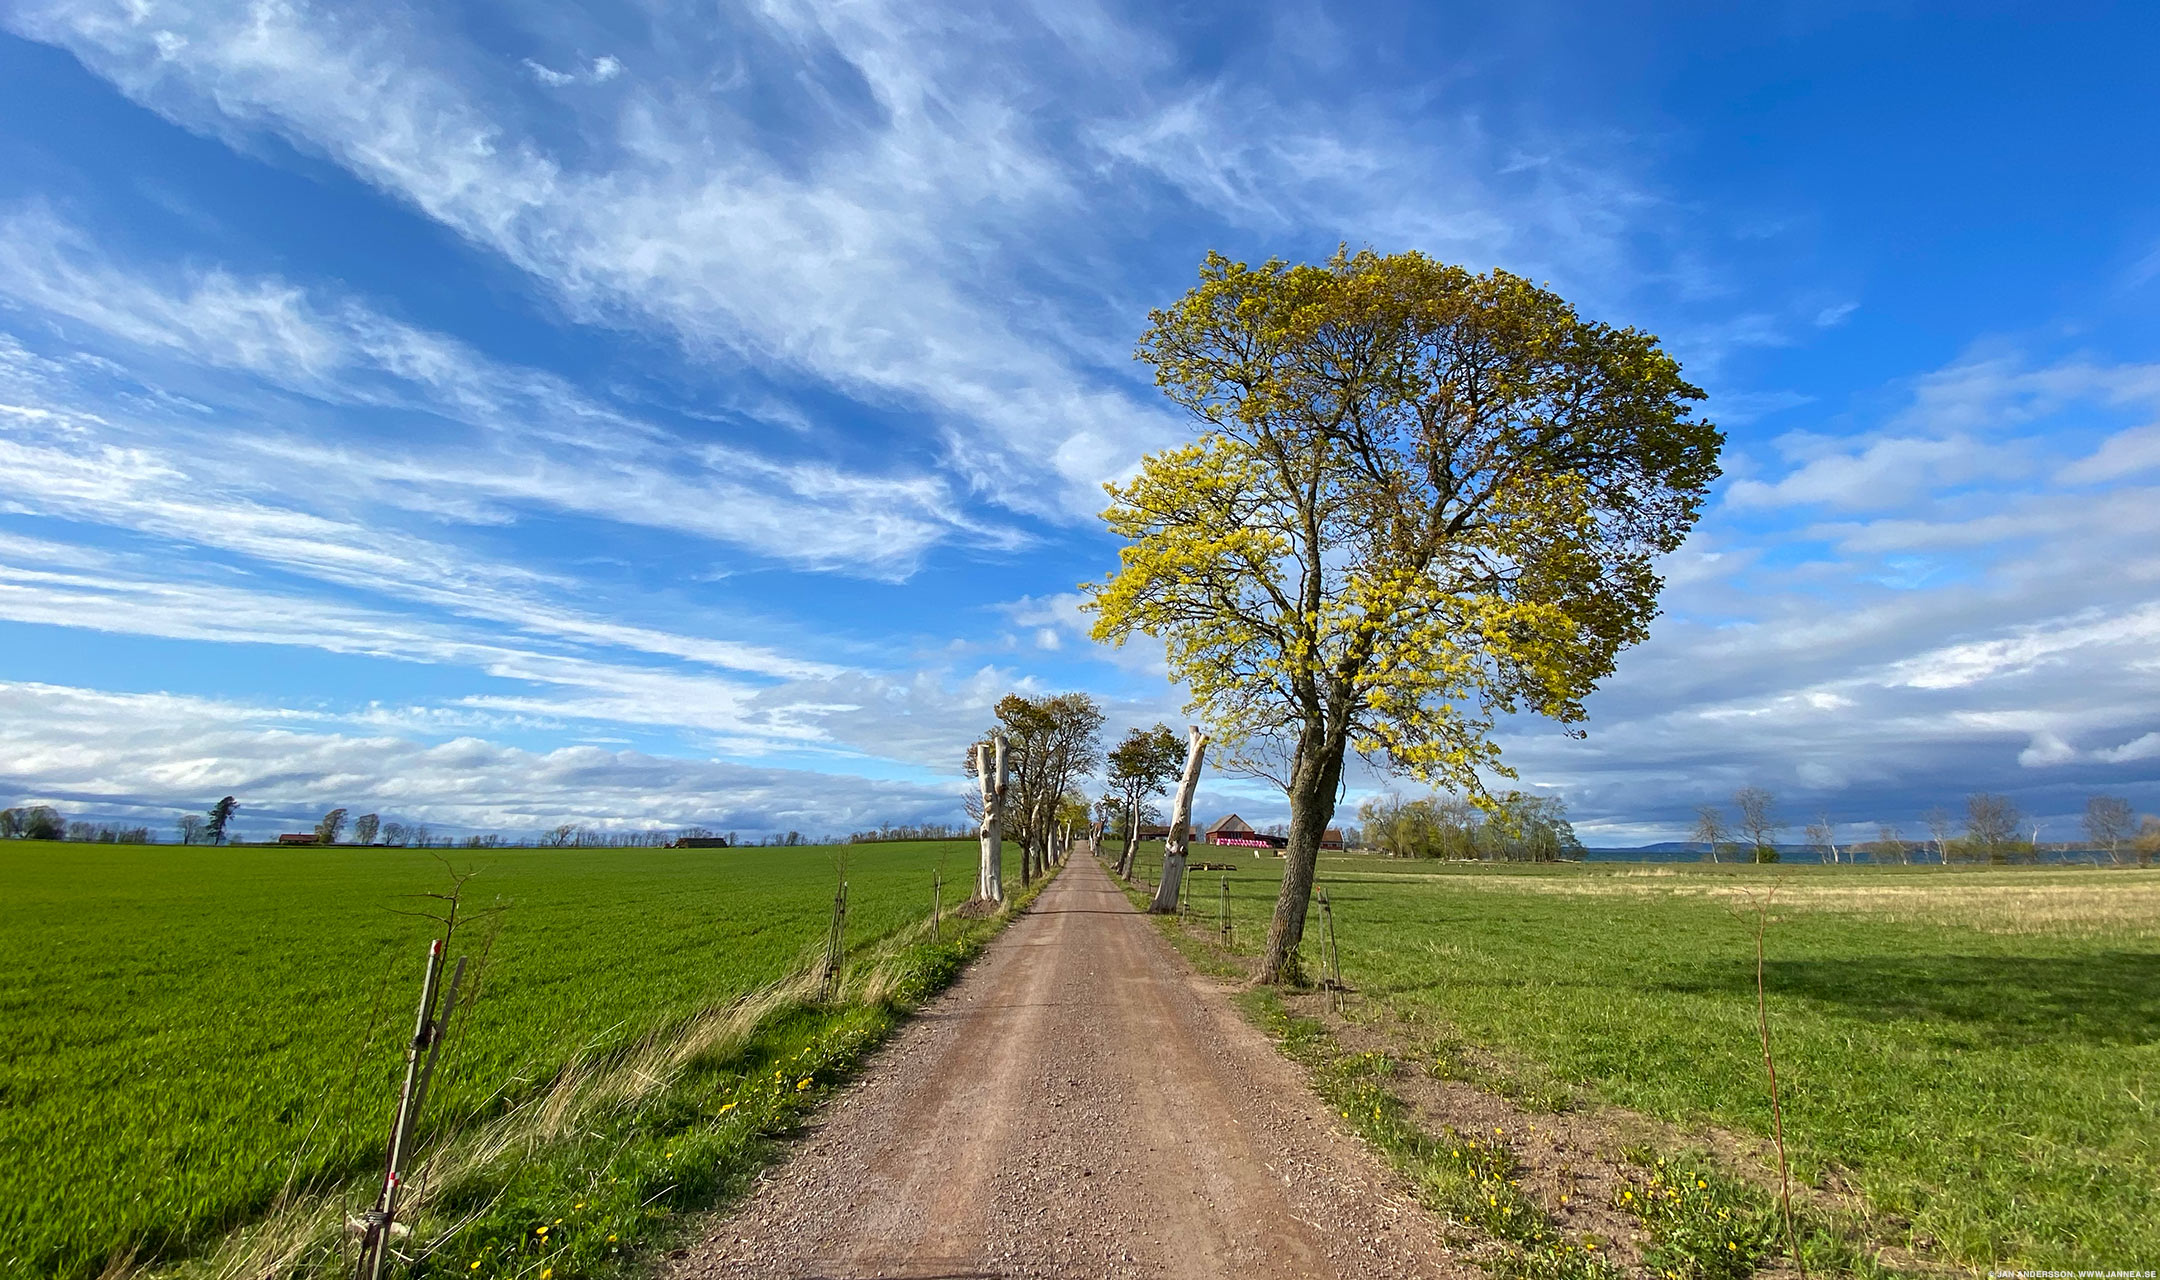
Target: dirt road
{"points": [[1079, 1104]]}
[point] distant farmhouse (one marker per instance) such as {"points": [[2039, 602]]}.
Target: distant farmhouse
{"points": [[299, 837], [698, 842], [1235, 832]]}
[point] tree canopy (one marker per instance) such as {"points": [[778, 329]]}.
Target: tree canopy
{"points": [[1420, 499], [1145, 763], [1052, 743]]}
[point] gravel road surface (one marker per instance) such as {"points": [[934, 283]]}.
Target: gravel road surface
{"points": [[1079, 1104]]}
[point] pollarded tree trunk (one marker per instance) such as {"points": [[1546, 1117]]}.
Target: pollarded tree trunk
{"points": [[1312, 805], [1132, 842], [990, 881], [1173, 862]]}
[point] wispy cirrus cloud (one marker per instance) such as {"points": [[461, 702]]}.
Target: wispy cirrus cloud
{"points": [[875, 197], [532, 440]]}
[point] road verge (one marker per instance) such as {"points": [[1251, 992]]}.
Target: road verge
{"points": [[614, 1159], [1530, 1180]]}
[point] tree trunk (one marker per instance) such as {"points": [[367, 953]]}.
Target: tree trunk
{"points": [[1132, 842], [1173, 862], [1312, 805], [990, 881]]}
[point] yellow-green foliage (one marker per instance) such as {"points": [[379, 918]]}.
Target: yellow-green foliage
{"points": [[1421, 498]]}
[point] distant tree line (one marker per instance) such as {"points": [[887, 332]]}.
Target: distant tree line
{"points": [[1991, 830], [32, 822], [919, 831], [1514, 827], [43, 822]]}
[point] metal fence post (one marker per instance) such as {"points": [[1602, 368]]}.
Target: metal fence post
{"points": [[1331, 959]]}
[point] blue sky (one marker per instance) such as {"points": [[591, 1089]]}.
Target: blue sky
{"points": [[496, 417]]}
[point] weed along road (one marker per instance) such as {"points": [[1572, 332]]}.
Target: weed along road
{"points": [[1079, 1104]]}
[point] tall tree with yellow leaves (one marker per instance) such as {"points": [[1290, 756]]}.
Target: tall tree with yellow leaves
{"points": [[1420, 499]]}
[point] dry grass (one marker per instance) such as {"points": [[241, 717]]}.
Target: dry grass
{"points": [[2015, 902]]}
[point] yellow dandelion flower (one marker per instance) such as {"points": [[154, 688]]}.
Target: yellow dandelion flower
{"points": [[539, 1231], [724, 1110], [476, 1264], [547, 1273]]}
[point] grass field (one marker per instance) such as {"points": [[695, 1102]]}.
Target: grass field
{"points": [[192, 1030], [1974, 1051]]}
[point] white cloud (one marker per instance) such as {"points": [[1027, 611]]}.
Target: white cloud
{"points": [[534, 440], [2126, 453], [150, 757], [875, 196], [2143, 747], [1883, 472], [853, 256], [2047, 749], [599, 71]]}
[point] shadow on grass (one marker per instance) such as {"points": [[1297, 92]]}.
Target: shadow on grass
{"points": [[2106, 998]]}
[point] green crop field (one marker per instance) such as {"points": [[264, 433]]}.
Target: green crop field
{"points": [[191, 1030], [1975, 1051]]}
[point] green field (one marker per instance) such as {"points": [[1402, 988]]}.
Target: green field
{"points": [[191, 1030], [1975, 1051]]}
